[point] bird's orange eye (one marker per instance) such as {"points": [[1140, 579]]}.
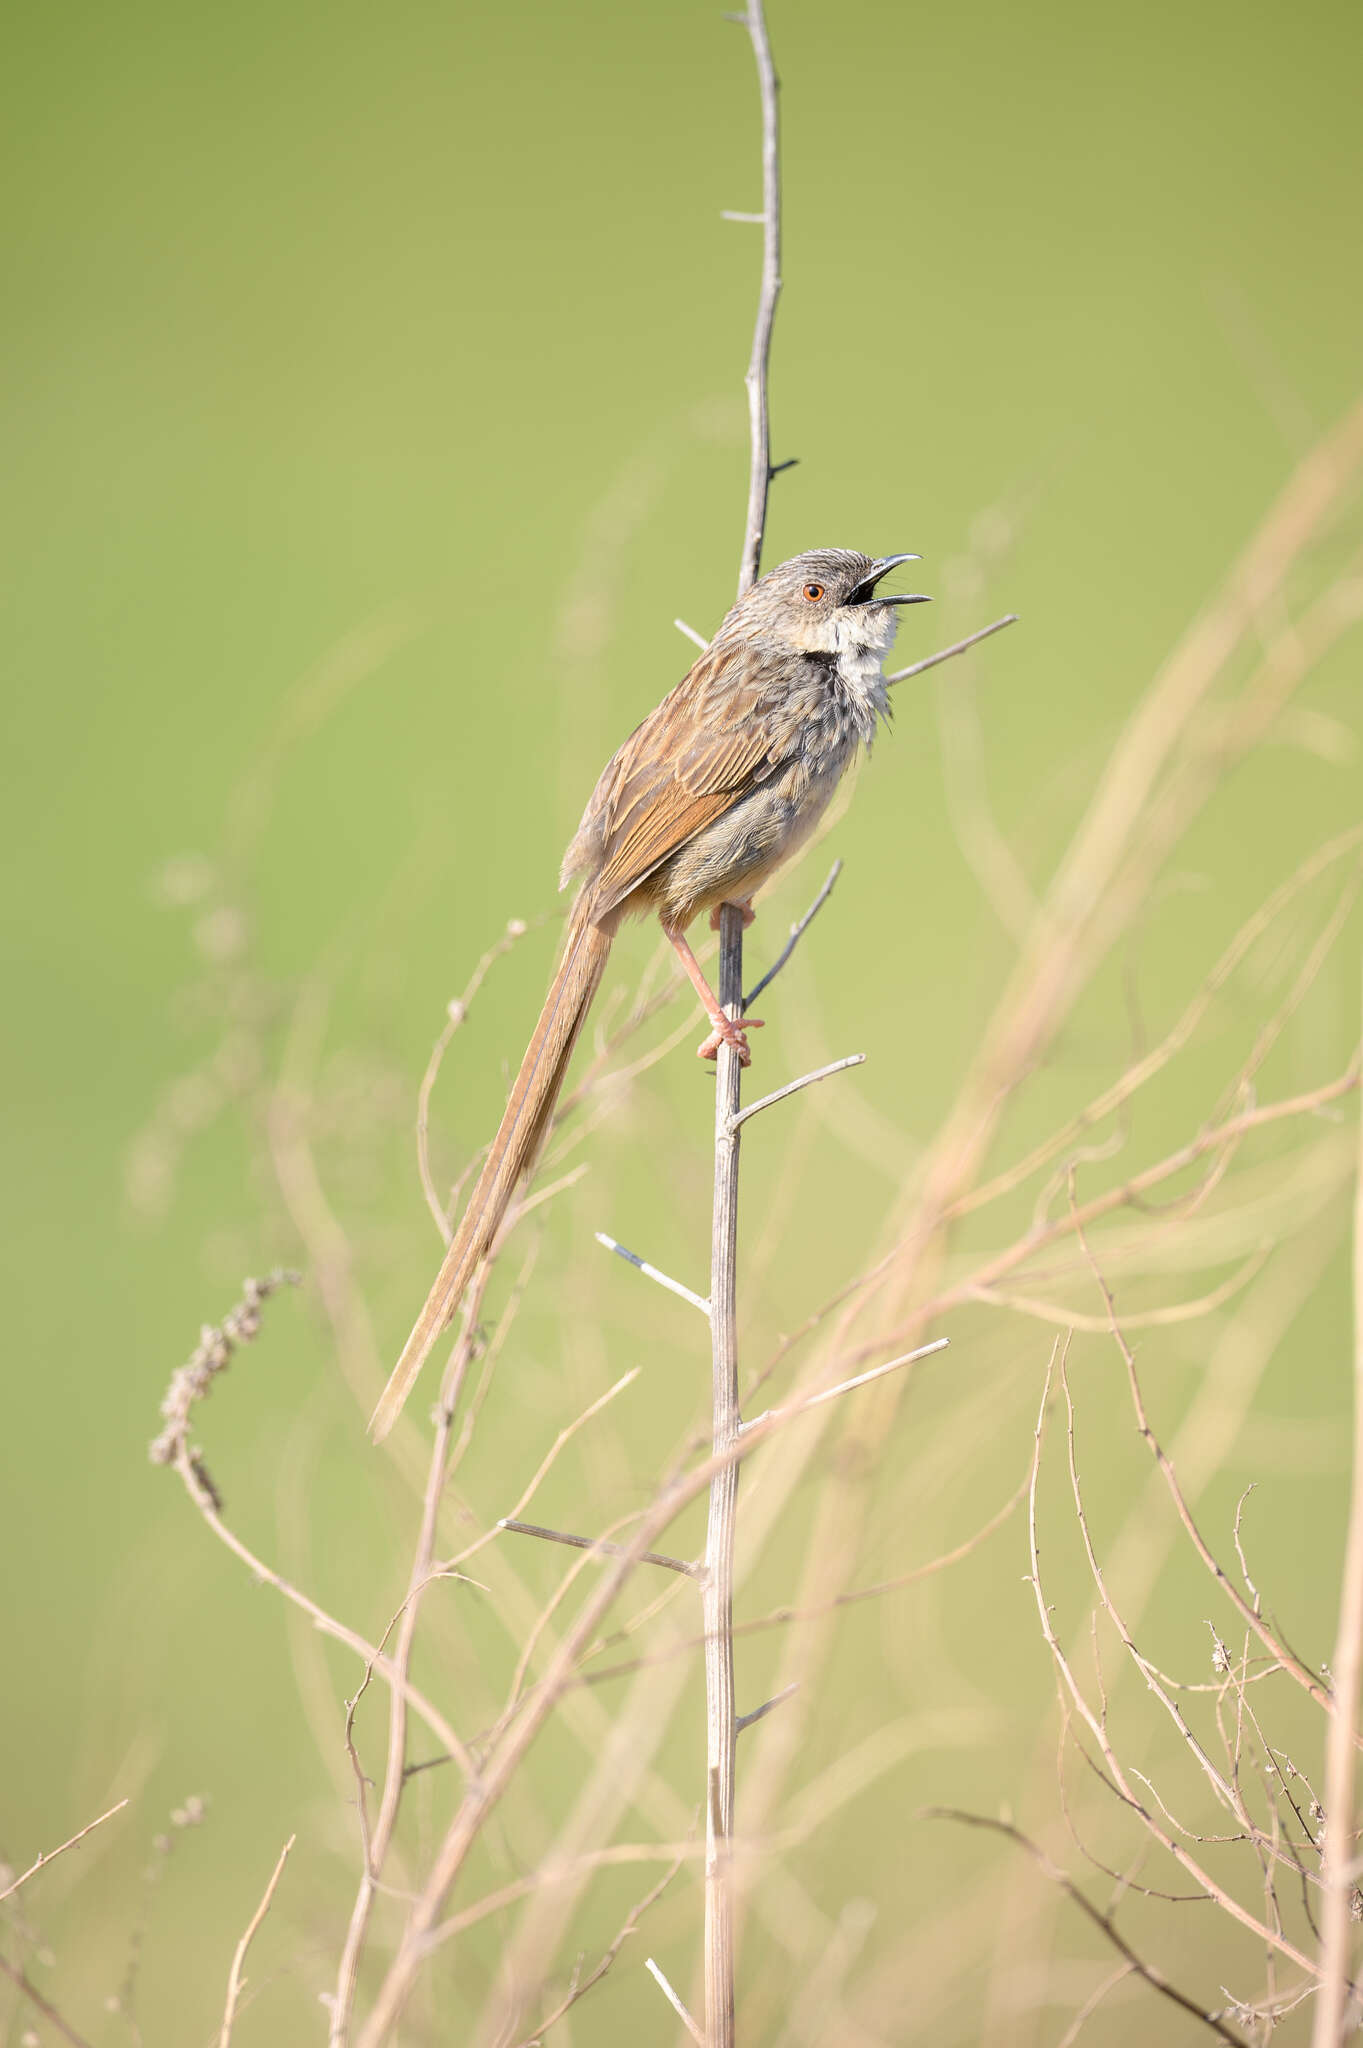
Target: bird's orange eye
{"points": [[813, 591]]}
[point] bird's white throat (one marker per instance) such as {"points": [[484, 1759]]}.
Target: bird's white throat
{"points": [[861, 638]]}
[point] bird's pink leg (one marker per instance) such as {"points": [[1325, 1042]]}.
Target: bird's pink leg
{"points": [[726, 1031]]}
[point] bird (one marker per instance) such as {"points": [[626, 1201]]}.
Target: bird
{"points": [[707, 798]]}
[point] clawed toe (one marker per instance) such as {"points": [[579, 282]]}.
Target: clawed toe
{"points": [[728, 1033]]}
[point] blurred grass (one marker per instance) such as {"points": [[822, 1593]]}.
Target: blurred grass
{"points": [[419, 335]]}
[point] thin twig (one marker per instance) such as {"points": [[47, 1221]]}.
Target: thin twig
{"points": [[759, 420], [50, 1855], [456, 1013], [1100, 1920], [545, 1466], [852, 1059], [1122, 1971], [797, 932], [653, 1272], [782, 1617], [235, 1979], [761, 1713], [534, 1706], [326, 1623], [1250, 1615], [673, 1564], [189, 1385], [916, 668], [862, 1379], [48, 2011], [1096, 1724], [1214, 1139], [375, 1846], [1332, 2017], [579, 1987], [670, 1995]]}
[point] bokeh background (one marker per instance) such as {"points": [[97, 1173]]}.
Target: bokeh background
{"points": [[372, 406]]}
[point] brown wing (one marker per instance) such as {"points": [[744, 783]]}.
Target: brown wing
{"points": [[709, 741]]}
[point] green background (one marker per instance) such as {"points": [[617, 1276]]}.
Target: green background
{"points": [[372, 404]]}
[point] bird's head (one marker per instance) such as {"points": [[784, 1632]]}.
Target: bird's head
{"points": [[826, 602]]}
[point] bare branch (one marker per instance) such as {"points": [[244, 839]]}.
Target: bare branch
{"points": [[189, 1384], [673, 1564], [579, 1989], [457, 1011], [1103, 1921], [235, 1978], [1096, 1725], [717, 1597], [1091, 2004], [1333, 2019], [43, 2005], [690, 633], [1174, 1040], [375, 1846], [1212, 1140], [797, 932], [862, 1379], [546, 1463], [853, 1059], [758, 413], [1248, 1613], [670, 1995], [1146, 1319], [781, 1617], [916, 668], [761, 1713], [50, 1855], [653, 1273]]}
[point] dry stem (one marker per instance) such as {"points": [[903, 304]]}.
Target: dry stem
{"points": [[1332, 2017], [235, 1979], [718, 1589], [761, 472], [50, 1855]]}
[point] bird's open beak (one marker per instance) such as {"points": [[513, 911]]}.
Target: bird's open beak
{"points": [[865, 592]]}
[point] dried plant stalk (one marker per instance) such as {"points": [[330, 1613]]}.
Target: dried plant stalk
{"points": [[718, 1598]]}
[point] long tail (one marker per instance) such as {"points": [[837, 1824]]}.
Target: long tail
{"points": [[512, 1156]]}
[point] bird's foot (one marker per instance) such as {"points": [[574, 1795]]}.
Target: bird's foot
{"points": [[727, 1032]]}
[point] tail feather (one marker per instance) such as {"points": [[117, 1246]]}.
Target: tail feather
{"points": [[513, 1153]]}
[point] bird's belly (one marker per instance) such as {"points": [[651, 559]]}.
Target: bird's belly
{"points": [[728, 860]]}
